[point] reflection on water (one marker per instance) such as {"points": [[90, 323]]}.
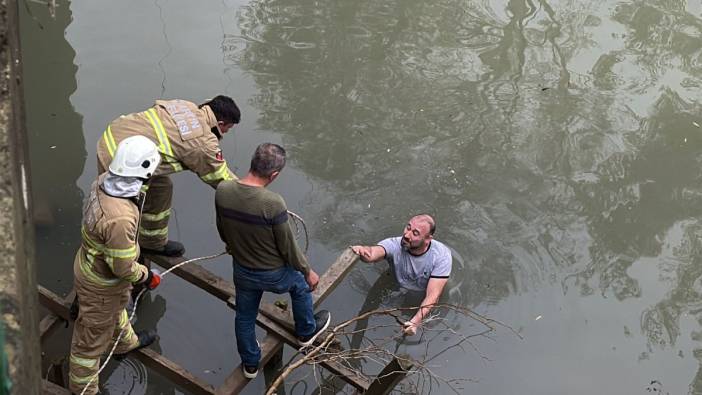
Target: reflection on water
{"points": [[556, 142]]}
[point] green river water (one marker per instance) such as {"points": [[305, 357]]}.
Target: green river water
{"points": [[557, 143]]}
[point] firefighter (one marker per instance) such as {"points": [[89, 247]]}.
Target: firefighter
{"points": [[106, 264], [187, 137]]}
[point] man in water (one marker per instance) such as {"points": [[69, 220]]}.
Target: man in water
{"points": [[418, 262]]}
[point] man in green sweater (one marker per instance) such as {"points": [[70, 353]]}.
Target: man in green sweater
{"points": [[253, 223]]}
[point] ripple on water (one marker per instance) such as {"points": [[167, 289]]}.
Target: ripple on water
{"points": [[129, 376]]}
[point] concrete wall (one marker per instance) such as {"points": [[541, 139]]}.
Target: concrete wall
{"points": [[18, 288]]}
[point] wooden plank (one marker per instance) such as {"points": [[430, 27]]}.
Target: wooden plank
{"points": [[173, 372], [217, 286], [53, 302], [225, 291], [57, 375], [272, 318], [148, 357], [351, 376], [51, 321], [48, 324], [236, 381], [334, 275], [273, 367], [49, 388], [196, 275], [391, 376]]}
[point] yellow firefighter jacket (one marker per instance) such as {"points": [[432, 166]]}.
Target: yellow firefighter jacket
{"points": [[106, 260], [182, 132]]}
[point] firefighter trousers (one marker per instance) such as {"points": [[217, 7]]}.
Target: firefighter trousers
{"points": [[100, 320], [153, 231]]}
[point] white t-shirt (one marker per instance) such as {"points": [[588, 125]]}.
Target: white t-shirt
{"points": [[413, 272]]}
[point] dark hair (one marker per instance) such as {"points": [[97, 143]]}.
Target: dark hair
{"points": [[224, 109], [267, 159]]}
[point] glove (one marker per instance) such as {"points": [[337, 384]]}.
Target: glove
{"points": [[153, 279], [409, 328]]}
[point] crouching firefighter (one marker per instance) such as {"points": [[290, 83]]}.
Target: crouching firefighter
{"points": [[105, 266]]}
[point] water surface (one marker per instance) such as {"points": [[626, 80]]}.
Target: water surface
{"points": [[557, 143]]}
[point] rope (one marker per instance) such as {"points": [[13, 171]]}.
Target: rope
{"points": [[304, 227], [131, 316]]}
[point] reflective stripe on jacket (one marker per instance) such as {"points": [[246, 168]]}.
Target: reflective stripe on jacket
{"points": [[182, 132], [106, 259]]}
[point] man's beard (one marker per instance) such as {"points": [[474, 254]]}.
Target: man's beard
{"points": [[406, 245]]}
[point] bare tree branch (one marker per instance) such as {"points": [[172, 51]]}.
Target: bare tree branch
{"points": [[377, 350]]}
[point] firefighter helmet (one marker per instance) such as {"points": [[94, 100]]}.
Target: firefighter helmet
{"points": [[136, 156]]}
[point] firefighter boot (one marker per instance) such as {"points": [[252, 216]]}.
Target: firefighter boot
{"points": [[145, 339], [171, 249]]}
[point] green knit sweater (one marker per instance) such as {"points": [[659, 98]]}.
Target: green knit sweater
{"points": [[253, 223]]}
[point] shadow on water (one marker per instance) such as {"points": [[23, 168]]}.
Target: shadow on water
{"points": [[57, 149], [56, 143]]}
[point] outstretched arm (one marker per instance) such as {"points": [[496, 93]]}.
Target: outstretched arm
{"points": [[369, 253], [209, 164]]}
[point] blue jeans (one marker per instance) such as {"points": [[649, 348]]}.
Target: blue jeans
{"points": [[250, 285]]}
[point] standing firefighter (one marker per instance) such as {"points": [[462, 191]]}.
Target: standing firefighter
{"points": [[105, 266], [187, 137]]}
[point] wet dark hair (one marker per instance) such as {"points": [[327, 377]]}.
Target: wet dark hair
{"points": [[224, 109], [267, 159]]}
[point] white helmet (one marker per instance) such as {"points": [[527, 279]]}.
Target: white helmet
{"points": [[136, 156]]}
